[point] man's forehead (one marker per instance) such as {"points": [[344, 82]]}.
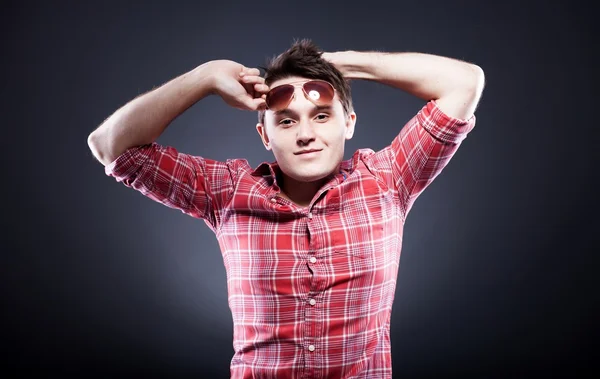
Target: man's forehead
{"points": [[289, 80]]}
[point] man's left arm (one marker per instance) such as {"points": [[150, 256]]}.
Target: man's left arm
{"points": [[427, 142], [456, 86]]}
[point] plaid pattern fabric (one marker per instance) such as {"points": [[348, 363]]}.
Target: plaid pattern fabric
{"points": [[310, 288]]}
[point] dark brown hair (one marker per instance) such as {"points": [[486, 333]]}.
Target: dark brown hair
{"points": [[303, 59]]}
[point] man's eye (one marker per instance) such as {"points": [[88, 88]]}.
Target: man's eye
{"points": [[286, 121], [322, 116]]}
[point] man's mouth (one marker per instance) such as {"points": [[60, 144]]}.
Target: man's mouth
{"points": [[309, 151]]}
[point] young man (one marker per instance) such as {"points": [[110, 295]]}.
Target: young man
{"points": [[311, 244]]}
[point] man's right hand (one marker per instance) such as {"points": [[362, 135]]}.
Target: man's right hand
{"points": [[143, 119], [239, 86]]}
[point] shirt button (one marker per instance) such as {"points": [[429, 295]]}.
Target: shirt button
{"points": [[273, 200], [313, 302], [310, 215], [311, 347], [313, 260]]}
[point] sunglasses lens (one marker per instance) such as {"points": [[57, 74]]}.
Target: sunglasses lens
{"points": [[319, 92], [279, 97]]}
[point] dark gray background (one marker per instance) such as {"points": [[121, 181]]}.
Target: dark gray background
{"points": [[498, 274]]}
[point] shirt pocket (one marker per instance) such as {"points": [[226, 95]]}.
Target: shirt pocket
{"points": [[363, 240], [358, 230]]}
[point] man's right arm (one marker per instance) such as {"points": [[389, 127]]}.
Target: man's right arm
{"points": [[142, 120], [125, 142]]}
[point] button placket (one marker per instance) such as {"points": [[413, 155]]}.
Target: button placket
{"points": [[311, 312]]}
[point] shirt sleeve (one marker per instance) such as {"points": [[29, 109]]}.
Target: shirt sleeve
{"points": [[196, 186], [420, 151]]}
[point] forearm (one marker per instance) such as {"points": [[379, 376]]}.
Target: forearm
{"points": [[456, 85], [145, 118]]}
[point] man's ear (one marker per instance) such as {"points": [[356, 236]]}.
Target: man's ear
{"points": [[262, 132], [350, 122]]}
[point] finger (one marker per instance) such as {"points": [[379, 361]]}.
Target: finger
{"points": [[250, 71], [253, 79], [261, 88], [256, 104]]}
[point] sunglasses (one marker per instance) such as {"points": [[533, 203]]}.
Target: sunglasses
{"points": [[319, 92]]}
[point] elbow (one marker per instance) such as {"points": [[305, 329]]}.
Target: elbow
{"points": [[98, 148], [91, 142], [472, 88], [477, 80], [468, 84], [462, 101]]}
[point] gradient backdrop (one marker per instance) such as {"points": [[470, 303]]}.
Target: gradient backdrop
{"points": [[498, 275]]}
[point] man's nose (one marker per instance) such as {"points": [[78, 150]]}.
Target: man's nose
{"points": [[306, 133]]}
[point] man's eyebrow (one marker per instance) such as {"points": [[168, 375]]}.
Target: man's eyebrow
{"points": [[323, 108], [289, 112], [285, 112]]}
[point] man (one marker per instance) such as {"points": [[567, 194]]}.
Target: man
{"points": [[311, 244]]}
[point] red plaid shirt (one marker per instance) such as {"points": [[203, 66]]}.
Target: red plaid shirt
{"points": [[310, 288]]}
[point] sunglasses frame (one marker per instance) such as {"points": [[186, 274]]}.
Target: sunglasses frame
{"points": [[303, 91]]}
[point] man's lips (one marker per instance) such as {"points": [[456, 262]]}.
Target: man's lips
{"points": [[307, 151]]}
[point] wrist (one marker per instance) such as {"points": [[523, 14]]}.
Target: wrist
{"points": [[205, 77], [352, 64]]}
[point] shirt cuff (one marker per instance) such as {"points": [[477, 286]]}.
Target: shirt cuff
{"points": [[443, 127], [129, 162]]}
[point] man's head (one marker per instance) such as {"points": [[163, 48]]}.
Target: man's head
{"points": [[310, 121]]}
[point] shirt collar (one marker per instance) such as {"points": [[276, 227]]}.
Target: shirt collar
{"points": [[268, 170], [265, 169]]}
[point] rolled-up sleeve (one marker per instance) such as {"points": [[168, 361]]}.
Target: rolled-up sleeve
{"points": [[421, 150], [194, 185]]}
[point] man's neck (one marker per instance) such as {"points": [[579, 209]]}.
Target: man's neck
{"points": [[300, 193]]}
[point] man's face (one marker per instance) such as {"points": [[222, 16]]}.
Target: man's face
{"points": [[307, 141]]}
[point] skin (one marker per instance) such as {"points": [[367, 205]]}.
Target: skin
{"points": [[142, 120], [304, 126], [455, 85]]}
